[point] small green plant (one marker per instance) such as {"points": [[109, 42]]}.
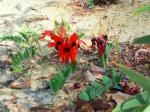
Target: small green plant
{"points": [[103, 46], [67, 49], [59, 79], [27, 41], [141, 101], [95, 90]]}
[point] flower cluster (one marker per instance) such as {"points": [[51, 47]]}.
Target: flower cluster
{"points": [[67, 46], [100, 42]]}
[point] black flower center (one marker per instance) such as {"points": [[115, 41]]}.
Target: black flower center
{"points": [[66, 49], [105, 37], [73, 44], [58, 43], [56, 47], [100, 42]]}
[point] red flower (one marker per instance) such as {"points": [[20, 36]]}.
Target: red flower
{"points": [[46, 33], [101, 46], [68, 50], [100, 41], [58, 41]]}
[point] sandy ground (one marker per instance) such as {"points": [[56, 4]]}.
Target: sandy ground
{"points": [[114, 20], [40, 14]]}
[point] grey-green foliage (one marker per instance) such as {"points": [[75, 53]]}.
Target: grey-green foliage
{"points": [[139, 102], [57, 82], [27, 40], [95, 89]]}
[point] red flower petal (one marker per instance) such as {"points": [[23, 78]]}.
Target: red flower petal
{"points": [[54, 37], [73, 37], [51, 44], [46, 33], [73, 54], [101, 49]]}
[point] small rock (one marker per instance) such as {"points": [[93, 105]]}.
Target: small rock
{"points": [[89, 76], [3, 108], [39, 85], [119, 97], [7, 77], [95, 69]]}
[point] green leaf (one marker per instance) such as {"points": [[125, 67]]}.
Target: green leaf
{"points": [[14, 38], [91, 4], [93, 94], [142, 40], [16, 68], [94, 91], [84, 96], [15, 59], [91, 91], [80, 35], [107, 50], [142, 9], [59, 79], [107, 83], [24, 36], [118, 87], [33, 51], [95, 84], [72, 67], [137, 77], [147, 108], [116, 77], [98, 88], [20, 56], [106, 79], [26, 54], [138, 102]]}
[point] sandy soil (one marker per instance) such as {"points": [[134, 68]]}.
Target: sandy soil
{"points": [[113, 20], [39, 14]]}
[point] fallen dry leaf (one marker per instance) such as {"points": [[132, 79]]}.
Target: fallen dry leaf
{"points": [[21, 85], [131, 90], [119, 97], [87, 108], [98, 104], [40, 109]]}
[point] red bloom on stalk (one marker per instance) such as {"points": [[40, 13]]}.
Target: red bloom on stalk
{"points": [[101, 46], [68, 50], [100, 41]]}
